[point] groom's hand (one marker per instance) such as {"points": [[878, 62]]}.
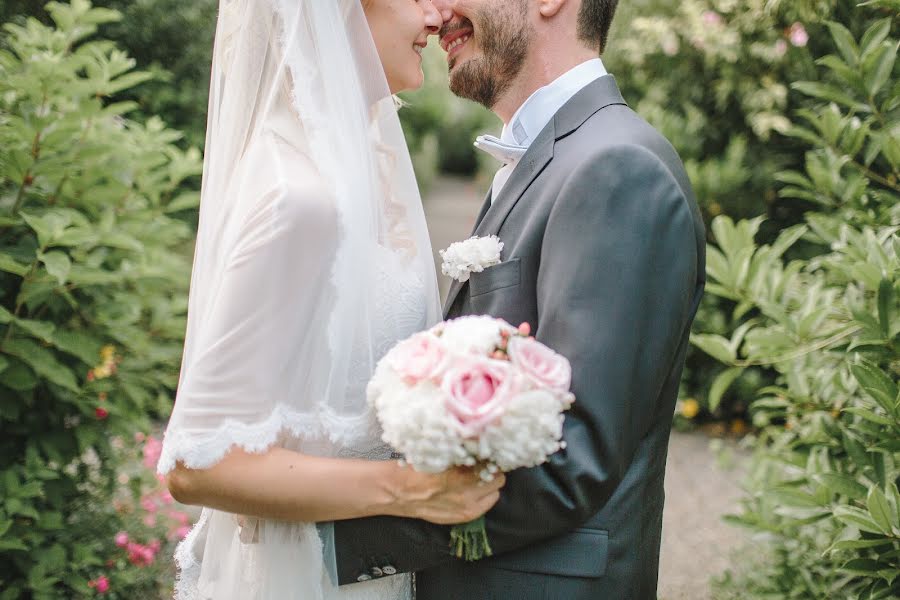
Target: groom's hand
{"points": [[455, 496]]}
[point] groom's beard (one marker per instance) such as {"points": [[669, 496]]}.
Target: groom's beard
{"points": [[503, 34]]}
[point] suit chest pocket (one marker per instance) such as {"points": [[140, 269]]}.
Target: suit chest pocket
{"points": [[505, 275]]}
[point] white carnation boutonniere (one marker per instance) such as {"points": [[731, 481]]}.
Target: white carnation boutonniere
{"points": [[473, 255]]}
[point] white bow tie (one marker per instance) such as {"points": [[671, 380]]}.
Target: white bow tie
{"points": [[505, 153]]}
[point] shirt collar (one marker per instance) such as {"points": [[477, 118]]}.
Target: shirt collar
{"points": [[539, 108]]}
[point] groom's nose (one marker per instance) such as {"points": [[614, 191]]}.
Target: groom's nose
{"points": [[445, 8]]}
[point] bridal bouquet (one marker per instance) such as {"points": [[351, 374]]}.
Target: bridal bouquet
{"points": [[472, 391]]}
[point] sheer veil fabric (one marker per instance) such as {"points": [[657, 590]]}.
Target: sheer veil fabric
{"points": [[312, 259]]}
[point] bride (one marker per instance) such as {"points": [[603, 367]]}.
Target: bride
{"points": [[312, 260]]}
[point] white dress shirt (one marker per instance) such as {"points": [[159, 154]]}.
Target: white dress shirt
{"points": [[538, 110]]}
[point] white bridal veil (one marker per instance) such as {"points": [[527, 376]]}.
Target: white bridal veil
{"points": [[307, 190]]}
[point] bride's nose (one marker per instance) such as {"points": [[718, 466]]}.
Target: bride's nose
{"points": [[433, 19]]}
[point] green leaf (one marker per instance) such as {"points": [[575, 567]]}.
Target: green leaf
{"points": [[721, 384], [885, 303], [19, 377], [841, 484], [78, 344], [879, 66], [868, 415], [861, 566], [48, 226], [857, 544], [856, 517], [788, 238], [876, 34], [715, 345], [43, 362], [876, 384], [845, 43], [58, 265], [879, 510], [43, 330], [186, 201], [10, 265]]}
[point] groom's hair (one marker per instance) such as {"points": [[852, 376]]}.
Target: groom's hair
{"points": [[594, 21]]}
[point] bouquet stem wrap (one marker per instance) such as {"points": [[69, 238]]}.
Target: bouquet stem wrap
{"points": [[469, 541]]}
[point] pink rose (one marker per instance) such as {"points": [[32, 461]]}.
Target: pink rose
{"points": [[542, 365], [121, 539], [798, 35], [477, 393], [418, 358]]}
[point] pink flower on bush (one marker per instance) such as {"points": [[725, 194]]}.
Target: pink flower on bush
{"points": [[121, 539], [798, 36], [149, 520], [540, 364], [101, 584], [101, 413], [182, 532], [420, 357], [152, 451], [141, 555], [712, 18], [148, 504], [477, 393], [780, 48]]}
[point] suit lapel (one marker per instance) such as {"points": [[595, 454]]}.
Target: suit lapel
{"points": [[594, 97]]}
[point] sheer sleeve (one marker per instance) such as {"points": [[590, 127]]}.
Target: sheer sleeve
{"points": [[266, 319]]}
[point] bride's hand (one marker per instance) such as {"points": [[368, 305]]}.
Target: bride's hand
{"points": [[455, 496]]}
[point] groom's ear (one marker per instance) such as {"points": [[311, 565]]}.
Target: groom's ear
{"points": [[550, 8]]}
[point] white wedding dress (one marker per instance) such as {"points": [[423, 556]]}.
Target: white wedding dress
{"points": [[312, 261]]}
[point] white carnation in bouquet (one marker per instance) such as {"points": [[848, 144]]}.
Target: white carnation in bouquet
{"points": [[472, 391]]}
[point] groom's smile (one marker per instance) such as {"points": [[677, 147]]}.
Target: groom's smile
{"points": [[486, 44], [454, 37]]}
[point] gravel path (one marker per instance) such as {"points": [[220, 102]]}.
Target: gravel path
{"points": [[697, 544]]}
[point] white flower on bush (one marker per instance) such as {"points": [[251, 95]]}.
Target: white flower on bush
{"points": [[473, 255]]}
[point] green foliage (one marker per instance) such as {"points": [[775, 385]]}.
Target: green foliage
{"points": [[170, 39], [93, 276], [827, 463]]}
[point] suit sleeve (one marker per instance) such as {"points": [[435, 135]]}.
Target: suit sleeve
{"points": [[615, 287]]}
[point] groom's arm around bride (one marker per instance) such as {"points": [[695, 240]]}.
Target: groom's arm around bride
{"points": [[604, 256]]}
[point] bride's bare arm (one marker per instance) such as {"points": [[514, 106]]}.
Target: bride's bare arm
{"points": [[286, 485]]}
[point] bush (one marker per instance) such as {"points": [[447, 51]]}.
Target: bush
{"points": [[824, 485], [94, 269]]}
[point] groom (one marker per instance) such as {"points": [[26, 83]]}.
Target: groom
{"points": [[604, 257]]}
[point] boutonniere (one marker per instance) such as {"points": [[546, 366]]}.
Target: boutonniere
{"points": [[473, 255]]}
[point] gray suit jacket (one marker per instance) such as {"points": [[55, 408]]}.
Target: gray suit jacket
{"points": [[605, 257]]}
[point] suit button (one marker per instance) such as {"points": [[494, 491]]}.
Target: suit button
{"points": [[389, 570], [364, 577], [376, 572]]}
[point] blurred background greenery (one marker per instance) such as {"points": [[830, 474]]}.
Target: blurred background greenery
{"points": [[785, 113]]}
